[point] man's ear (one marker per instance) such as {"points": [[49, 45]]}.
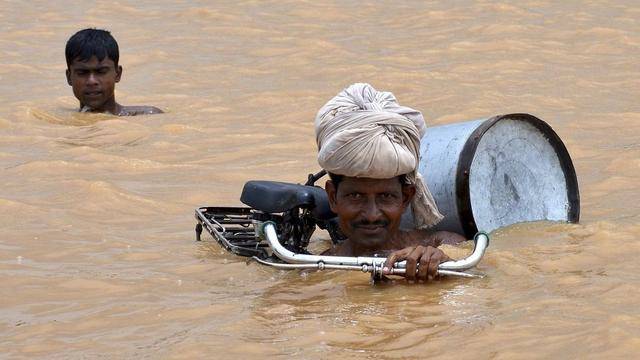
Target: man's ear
{"points": [[118, 73], [68, 73], [332, 192], [408, 192]]}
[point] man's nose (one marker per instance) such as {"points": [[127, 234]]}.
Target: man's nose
{"points": [[372, 211], [92, 79]]}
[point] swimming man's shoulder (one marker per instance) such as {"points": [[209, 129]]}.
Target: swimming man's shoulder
{"points": [[139, 110]]}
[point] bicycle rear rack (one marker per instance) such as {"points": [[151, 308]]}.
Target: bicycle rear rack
{"points": [[233, 228]]}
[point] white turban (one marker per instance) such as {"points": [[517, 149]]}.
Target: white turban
{"points": [[362, 132]]}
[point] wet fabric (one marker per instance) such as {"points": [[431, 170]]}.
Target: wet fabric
{"points": [[363, 132]]}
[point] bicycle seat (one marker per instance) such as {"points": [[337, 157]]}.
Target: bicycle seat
{"points": [[278, 197]]}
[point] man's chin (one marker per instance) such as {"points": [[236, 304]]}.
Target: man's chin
{"points": [[370, 241]]}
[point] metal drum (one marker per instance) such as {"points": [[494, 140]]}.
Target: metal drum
{"points": [[490, 173]]}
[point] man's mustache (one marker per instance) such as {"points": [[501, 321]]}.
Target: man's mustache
{"points": [[365, 223]]}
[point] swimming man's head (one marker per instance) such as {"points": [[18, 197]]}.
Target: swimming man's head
{"points": [[91, 42], [93, 70]]}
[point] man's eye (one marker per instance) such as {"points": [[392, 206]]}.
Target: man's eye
{"points": [[82, 72], [354, 196], [103, 71], [388, 196]]}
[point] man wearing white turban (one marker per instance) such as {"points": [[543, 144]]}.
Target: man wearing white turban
{"points": [[370, 147]]}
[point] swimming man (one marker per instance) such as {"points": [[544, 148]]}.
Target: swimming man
{"points": [[370, 145], [93, 71]]}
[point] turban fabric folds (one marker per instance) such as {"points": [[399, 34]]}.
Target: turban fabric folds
{"points": [[362, 132]]}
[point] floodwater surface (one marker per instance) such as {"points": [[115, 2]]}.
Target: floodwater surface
{"points": [[97, 251]]}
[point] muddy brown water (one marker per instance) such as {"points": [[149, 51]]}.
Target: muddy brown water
{"points": [[97, 258]]}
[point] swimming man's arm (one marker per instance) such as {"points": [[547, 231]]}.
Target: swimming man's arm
{"points": [[139, 110]]}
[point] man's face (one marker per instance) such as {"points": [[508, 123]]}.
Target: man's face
{"points": [[369, 210], [94, 81]]}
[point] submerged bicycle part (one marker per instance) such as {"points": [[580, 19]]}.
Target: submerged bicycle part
{"points": [[233, 228], [366, 264], [364, 268]]}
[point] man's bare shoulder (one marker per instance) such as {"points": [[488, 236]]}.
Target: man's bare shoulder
{"points": [[431, 238], [139, 110]]}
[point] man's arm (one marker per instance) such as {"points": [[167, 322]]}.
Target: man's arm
{"points": [[431, 238], [139, 110]]}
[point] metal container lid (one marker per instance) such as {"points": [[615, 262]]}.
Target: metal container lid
{"points": [[514, 168]]}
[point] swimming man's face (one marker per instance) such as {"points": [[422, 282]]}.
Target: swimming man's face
{"points": [[94, 82], [369, 210]]}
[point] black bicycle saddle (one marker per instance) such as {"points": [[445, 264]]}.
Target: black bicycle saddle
{"points": [[278, 197]]}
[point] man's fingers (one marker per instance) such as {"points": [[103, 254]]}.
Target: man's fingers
{"points": [[433, 265], [412, 262], [390, 260], [437, 257], [395, 257], [423, 267], [421, 262]]}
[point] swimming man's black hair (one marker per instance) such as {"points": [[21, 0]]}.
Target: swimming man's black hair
{"points": [[337, 179], [91, 42]]}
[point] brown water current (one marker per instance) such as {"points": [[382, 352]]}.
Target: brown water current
{"points": [[97, 250]]}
